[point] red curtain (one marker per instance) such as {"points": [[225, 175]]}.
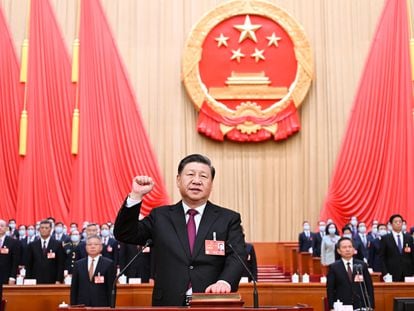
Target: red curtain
{"points": [[45, 171], [374, 173], [11, 100], [113, 144]]}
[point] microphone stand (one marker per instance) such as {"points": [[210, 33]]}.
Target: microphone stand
{"points": [[358, 269], [255, 292], [366, 290], [113, 292]]}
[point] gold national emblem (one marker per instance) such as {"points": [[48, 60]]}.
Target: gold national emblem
{"points": [[247, 67]]}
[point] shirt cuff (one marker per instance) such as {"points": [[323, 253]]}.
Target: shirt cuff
{"points": [[131, 202]]}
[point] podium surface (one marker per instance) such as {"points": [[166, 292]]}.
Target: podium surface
{"points": [[295, 308]]}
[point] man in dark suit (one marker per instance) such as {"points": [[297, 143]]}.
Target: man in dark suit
{"points": [[306, 239], [92, 277], [9, 256], [362, 239], [141, 267], [396, 251], [374, 259], [346, 278], [182, 263], [45, 257], [110, 245], [317, 240]]}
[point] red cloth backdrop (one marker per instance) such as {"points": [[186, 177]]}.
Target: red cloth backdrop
{"points": [[113, 144], [11, 100], [374, 173], [45, 171]]}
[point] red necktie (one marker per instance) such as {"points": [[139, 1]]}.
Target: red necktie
{"points": [[191, 228], [349, 270]]}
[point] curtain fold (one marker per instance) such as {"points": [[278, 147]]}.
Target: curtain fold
{"points": [[45, 172], [11, 101], [374, 173], [113, 144]]}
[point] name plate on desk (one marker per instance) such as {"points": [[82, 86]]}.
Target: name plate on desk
{"points": [[216, 300], [409, 279], [29, 282]]}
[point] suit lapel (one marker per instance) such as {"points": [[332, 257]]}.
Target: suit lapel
{"points": [[209, 217], [178, 220]]}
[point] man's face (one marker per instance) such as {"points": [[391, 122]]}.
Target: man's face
{"points": [[91, 230], [45, 230], [397, 224], [195, 183], [93, 247], [3, 227], [345, 249]]}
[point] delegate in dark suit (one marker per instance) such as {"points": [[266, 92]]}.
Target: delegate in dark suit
{"points": [[9, 259], [141, 267], [45, 264], [348, 290], [174, 264], [88, 292], [305, 241], [398, 264]]}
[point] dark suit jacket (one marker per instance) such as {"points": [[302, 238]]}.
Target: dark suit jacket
{"points": [[45, 270], [364, 249], [394, 263], [251, 262], [339, 286], [374, 260], [305, 242], [86, 292], [316, 245], [9, 262], [111, 250], [174, 266], [141, 267]]}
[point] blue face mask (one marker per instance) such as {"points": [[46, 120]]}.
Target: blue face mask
{"points": [[331, 230], [22, 232], [75, 238], [59, 230], [30, 232], [105, 233]]}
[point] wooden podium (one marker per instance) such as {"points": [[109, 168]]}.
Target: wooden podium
{"points": [[292, 308]]}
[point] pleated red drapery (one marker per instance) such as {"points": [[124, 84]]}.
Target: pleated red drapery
{"points": [[45, 172], [113, 144], [374, 173], [11, 101]]}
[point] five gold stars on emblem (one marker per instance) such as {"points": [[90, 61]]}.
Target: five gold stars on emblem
{"points": [[247, 31]]}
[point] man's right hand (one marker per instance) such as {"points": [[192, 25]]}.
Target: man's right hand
{"points": [[141, 185]]}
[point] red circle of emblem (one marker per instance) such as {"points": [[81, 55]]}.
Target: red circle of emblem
{"points": [[247, 66]]}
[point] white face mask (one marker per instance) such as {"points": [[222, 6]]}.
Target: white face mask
{"points": [[104, 233], [75, 238], [22, 232], [12, 226], [374, 230], [347, 235], [58, 230], [306, 227], [362, 229], [322, 228], [332, 230], [382, 232], [30, 232], [404, 227], [354, 222]]}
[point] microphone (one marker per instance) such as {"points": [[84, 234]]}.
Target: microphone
{"points": [[113, 292], [255, 293], [364, 291]]}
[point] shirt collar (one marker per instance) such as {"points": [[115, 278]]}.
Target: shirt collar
{"points": [[199, 209], [351, 261], [47, 240]]}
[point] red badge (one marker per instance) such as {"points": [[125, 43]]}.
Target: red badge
{"points": [[214, 247], [99, 279], [51, 255], [247, 68], [4, 251]]}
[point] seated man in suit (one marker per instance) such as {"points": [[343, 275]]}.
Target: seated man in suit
{"points": [[92, 277], [348, 279], [186, 236]]}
